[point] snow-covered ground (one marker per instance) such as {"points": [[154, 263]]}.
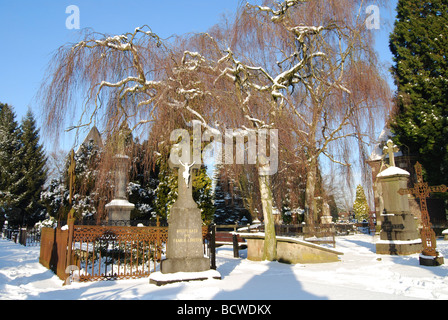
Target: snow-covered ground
{"points": [[360, 274]]}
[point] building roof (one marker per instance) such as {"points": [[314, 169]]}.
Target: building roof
{"points": [[93, 135]]}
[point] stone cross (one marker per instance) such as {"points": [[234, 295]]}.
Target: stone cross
{"points": [[421, 191], [390, 148], [184, 248]]}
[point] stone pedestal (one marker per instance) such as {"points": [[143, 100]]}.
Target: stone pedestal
{"points": [[431, 261], [119, 211], [185, 251], [399, 231]]}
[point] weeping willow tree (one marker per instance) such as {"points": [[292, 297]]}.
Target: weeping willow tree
{"points": [[315, 62], [304, 68]]}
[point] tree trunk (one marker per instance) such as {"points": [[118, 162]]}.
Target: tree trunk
{"points": [[309, 194], [270, 241]]}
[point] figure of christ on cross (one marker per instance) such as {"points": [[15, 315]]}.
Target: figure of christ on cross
{"points": [[185, 182], [421, 191]]}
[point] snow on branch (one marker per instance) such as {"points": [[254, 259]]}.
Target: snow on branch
{"points": [[277, 15]]}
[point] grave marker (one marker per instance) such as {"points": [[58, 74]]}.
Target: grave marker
{"points": [[184, 251], [399, 234]]}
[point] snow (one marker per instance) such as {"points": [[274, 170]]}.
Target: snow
{"points": [[416, 241], [120, 203], [360, 274], [393, 171], [184, 276]]}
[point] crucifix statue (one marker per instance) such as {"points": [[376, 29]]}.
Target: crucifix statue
{"points": [[390, 148], [421, 190], [185, 182], [184, 247]]}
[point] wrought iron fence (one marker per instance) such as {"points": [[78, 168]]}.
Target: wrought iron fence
{"points": [[24, 236], [101, 252], [113, 252]]}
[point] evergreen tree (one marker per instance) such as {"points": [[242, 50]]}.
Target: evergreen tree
{"points": [[229, 204], [11, 175], [85, 198], [419, 44], [142, 187], [33, 163], [360, 206], [166, 192]]}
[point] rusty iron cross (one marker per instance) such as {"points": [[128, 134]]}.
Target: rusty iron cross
{"points": [[421, 190]]}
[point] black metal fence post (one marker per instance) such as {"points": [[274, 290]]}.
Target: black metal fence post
{"points": [[236, 252], [213, 246]]}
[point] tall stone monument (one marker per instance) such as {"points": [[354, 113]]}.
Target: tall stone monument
{"points": [[119, 209], [399, 233], [185, 260]]}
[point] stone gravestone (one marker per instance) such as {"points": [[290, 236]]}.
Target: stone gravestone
{"points": [[184, 252], [399, 232], [185, 259]]}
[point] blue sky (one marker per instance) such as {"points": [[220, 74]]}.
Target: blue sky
{"points": [[31, 30]]}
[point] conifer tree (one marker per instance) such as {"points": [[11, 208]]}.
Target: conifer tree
{"points": [[360, 206], [34, 169], [419, 44], [11, 175]]}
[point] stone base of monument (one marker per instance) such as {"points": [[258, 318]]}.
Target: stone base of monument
{"points": [[174, 265], [399, 235], [119, 210], [431, 261], [161, 279], [399, 247]]}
